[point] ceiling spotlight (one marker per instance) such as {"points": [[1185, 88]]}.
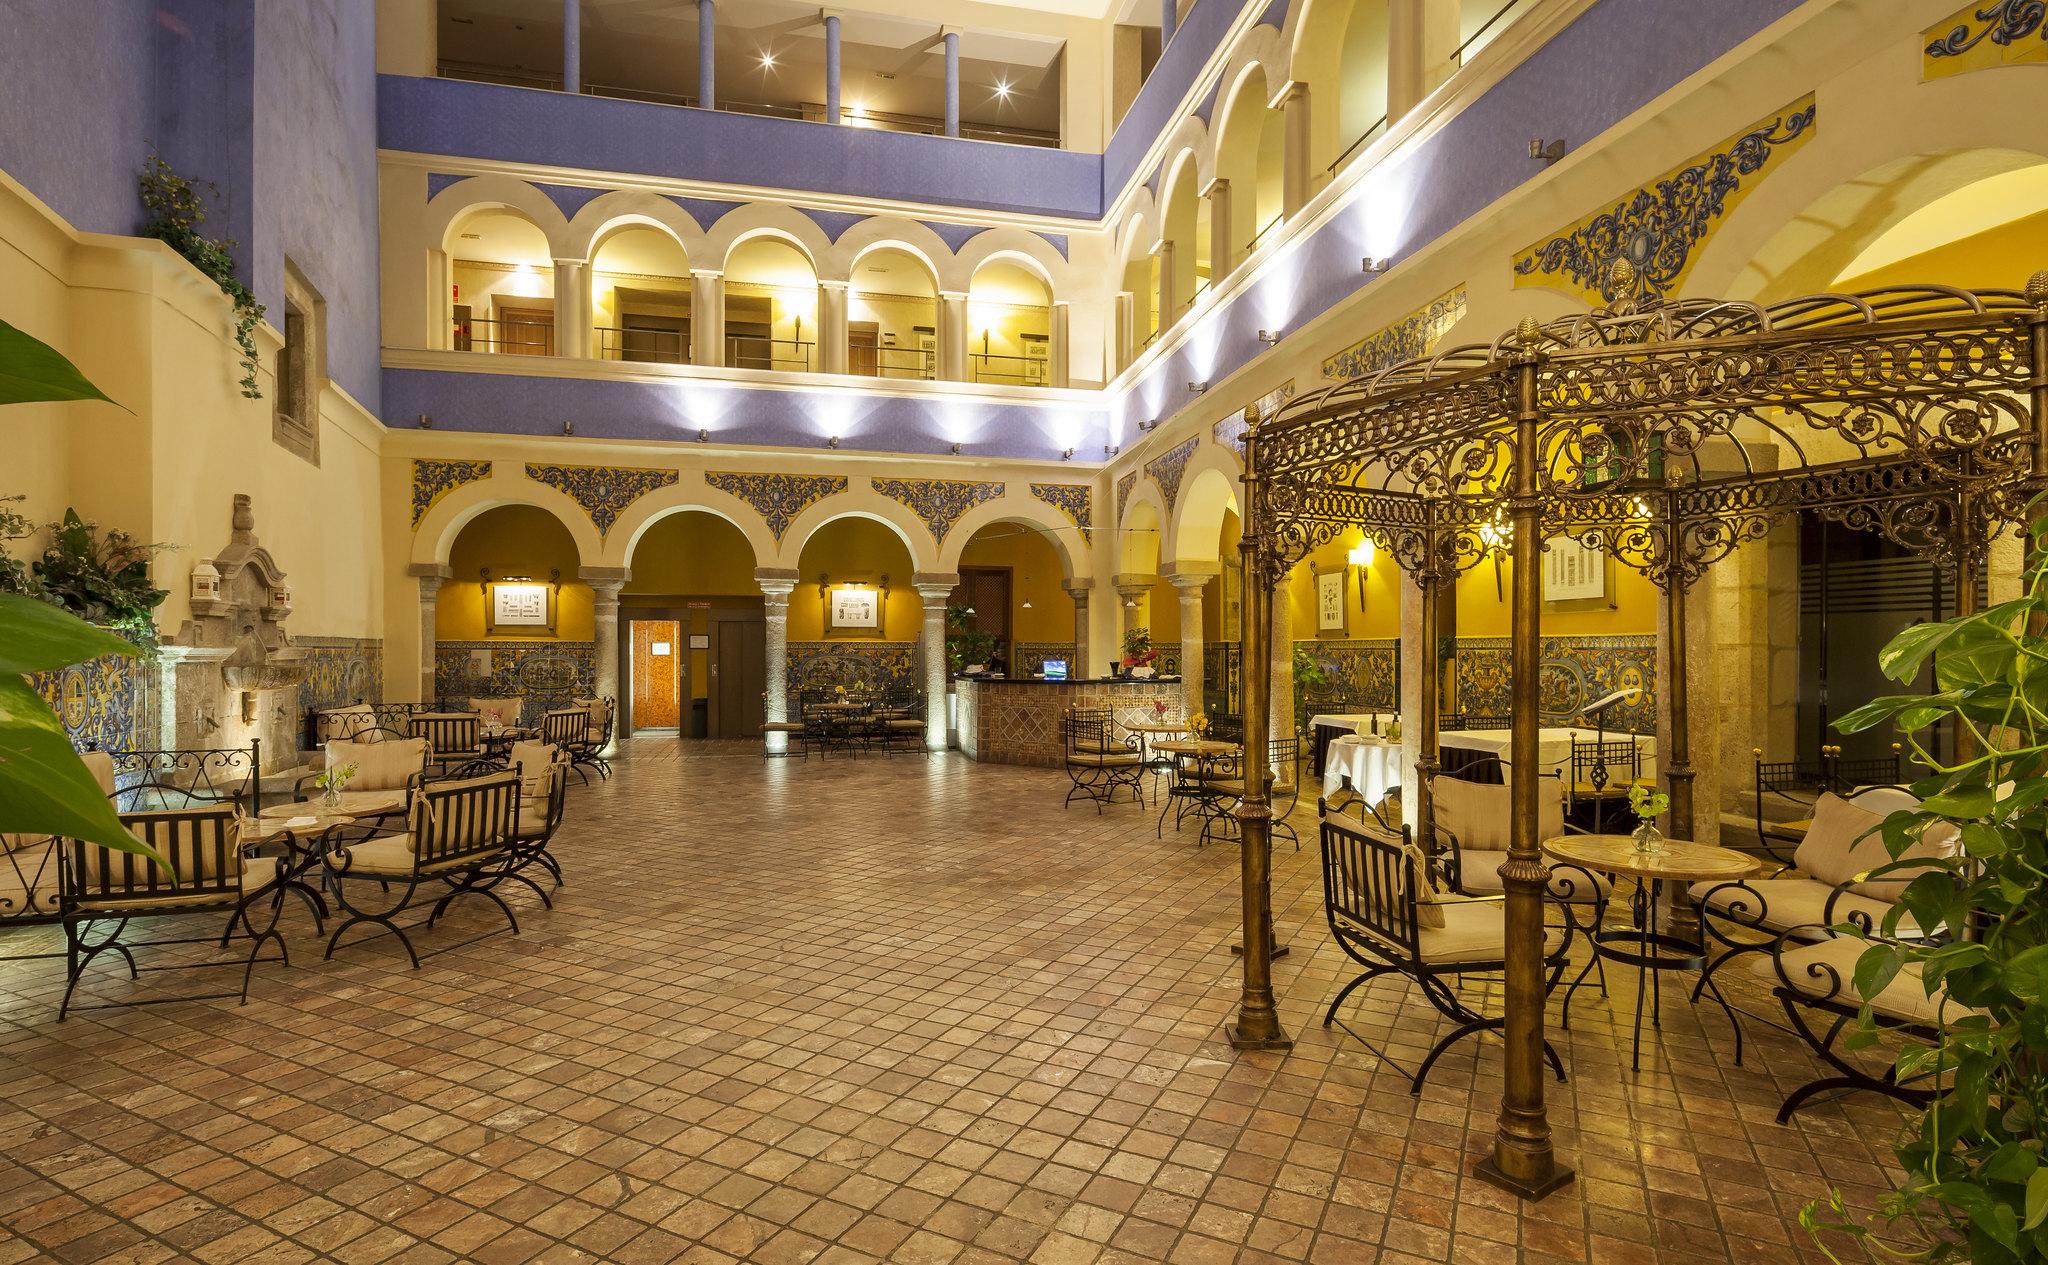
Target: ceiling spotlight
{"points": [[1270, 337], [831, 441], [1196, 388], [1068, 455], [1111, 450], [1003, 89], [703, 436], [426, 423], [767, 60], [1375, 265], [1148, 424]]}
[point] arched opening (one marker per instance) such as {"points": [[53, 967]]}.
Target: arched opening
{"points": [[640, 297], [868, 641], [1146, 600], [1362, 79], [771, 306], [1009, 325], [1009, 611], [1183, 251], [892, 319], [513, 620], [692, 603], [501, 285], [1250, 154], [1141, 283]]}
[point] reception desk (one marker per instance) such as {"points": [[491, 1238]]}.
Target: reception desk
{"points": [[1016, 720]]}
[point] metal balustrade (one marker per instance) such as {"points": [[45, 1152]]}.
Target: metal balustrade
{"points": [[788, 355], [1028, 371], [642, 346], [511, 338]]}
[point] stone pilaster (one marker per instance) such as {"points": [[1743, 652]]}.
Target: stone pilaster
{"points": [[1296, 132], [1081, 590], [707, 317], [1192, 579], [1131, 591], [605, 583], [776, 584], [832, 328], [430, 575], [572, 308], [1222, 243], [934, 588]]}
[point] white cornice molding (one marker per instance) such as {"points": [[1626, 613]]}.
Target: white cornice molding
{"points": [[404, 444]]}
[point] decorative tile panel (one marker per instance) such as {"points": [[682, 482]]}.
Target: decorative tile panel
{"points": [[433, 479], [1410, 338], [858, 665], [1028, 657], [1365, 675], [1660, 226], [1983, 34], [542, 674], [778, 498], [604, 492], [1020, 723], [102, 703], [938, 503], [1075, 500], [1123, 493], [1573, 672], [1168, 467], [340, 671], [1230, 431]]}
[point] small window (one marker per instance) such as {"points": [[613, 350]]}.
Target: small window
{"points": [[301, 368]]}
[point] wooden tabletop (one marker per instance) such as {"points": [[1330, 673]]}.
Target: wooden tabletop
{"points": [[312, 819], [1157, 727], [1196, 746], [1679, 859]]}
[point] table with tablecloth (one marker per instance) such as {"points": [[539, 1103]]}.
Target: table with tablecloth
{"points": [[1467, 747], [1325, 728], [1373, 766]]}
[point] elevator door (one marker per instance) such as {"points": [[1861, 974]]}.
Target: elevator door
{"points": [[739, 666], [657, 684]]}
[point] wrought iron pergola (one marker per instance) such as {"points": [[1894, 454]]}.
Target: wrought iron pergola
{"points": [[1667, 434]]}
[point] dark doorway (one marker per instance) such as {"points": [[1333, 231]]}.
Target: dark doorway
{"points": [[739, 668], [987, 591]]}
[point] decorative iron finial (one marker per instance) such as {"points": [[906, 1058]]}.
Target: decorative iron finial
{"points": [[1624, 276], [2037, 287], [1528, 331], [1251, 411]]}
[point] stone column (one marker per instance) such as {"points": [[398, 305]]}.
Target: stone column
{"points": [[831, 67], [572, 308], [707, 317], [1125, 333], [1221, 243], [952, 38], [952, 336], [1169, 287], [1404, 56], [430, 575], [707, 54], [776, 583], [1131, 591], [1059, 337], [1292, 102], [1080, 590], [832, 347], [1192, 579], [934, 587], [605, 583], [572, 45]]}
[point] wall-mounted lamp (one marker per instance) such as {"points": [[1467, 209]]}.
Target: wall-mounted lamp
{"points": [[1068, 455], [1148, 424], [1111, 450], [703, 436], [1547, 152], [568, 427], [1373, 264], [1360, 558], [831, 441], [426, 423], [1196, 388], [1270, 337], [205, 582], [956, 450]]}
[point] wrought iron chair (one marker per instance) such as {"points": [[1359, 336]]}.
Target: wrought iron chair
{"points": [[30, 892], [902, 721], [1602, 773], [1097, 761], [543, 772], [208, 872], [148, 780], [461, 836], [588, 751], [387, 776], [504, 712], [1387, 915], [1283, 787], [1785, 786], [1473, 721], [454, 741], [794, 741]]}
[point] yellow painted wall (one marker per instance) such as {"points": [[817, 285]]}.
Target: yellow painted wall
{"points": [[1629, 608], [693, 555], [511, 540], [1380, 614], [855, 550], [1997, 259], [1035, 573], [478, 285]]}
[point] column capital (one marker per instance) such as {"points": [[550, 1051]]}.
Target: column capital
{"points": [[430, 570], [827, 284], [708, 274], [1192, 575], [935, 584], [1216, 185], [566, 262], [1132, 584], [605, 578], [957, 296], [777, 581], [1288, 93], [1079, 587]]}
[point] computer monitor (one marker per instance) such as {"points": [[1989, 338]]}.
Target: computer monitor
{"points": [[1054, 669]]}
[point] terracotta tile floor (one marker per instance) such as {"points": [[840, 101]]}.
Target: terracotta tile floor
{"points": [[877, 1010]]}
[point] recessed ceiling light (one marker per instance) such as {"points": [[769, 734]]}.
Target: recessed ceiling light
{"points": [[1003, 89], [767, 60]]}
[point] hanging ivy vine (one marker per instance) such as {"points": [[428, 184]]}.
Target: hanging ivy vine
{"points": [[175, 213]]}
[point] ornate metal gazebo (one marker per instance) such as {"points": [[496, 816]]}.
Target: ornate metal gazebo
{"points": [[1667, 434]]}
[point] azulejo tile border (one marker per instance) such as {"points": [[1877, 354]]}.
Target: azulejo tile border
{"points": [[777, 498], [1983, 34], [604, 492], [1659, 227], [340, 671], [1230, 431], [1410, 338], [1123, 493], [542, 674], [103, 702], [1075, 500], [1169, 467], [434, 478], [938, 503], [857, 665], [1571, 672]]}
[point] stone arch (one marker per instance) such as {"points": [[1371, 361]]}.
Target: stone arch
{"points": [[434, 537], [1316, 38], [1208, 488], [1244, 128], [1027, 250], [860, 501], [1025, 511], [764, 219], [623, 207], [486, 193], [887, 232], [1141, 530], [682, 498]]}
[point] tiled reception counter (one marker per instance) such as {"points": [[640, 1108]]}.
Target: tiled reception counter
{"points": [[1017, 720]]}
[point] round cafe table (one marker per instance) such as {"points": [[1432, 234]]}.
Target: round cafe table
{"points": [[1149, 731], [1644, 943], [302, 828], [1187, 794]]}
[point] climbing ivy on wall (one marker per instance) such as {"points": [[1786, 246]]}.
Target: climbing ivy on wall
{"points": [[175, 213]]}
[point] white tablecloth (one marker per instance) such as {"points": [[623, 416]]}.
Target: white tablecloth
{"points": [[1553, 746], [1353, 722], [1372, 764]]}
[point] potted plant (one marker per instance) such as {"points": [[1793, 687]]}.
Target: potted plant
{"points": [[1139, 655], [1976, 1184], [967, 648]]}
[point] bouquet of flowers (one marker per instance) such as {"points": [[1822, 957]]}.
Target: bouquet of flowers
{"points": [[1138, 651], [332, 783]]}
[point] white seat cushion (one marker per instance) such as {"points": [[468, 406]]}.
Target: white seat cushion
{"points": [[372, 803], [1480, 874], [1808, 967], [380, 766], [1793, 902], [385, 855], [1103, 760], [1473, 931]]}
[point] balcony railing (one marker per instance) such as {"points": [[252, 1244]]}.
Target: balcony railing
{"points": [[510, 338], [893, 362], [643, 346], [786, 354], [1028, 371]]}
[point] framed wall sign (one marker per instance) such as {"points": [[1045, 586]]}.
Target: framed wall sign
{"points": [[1330, 601], [519, 606], [1573, 572], [853, 610]]}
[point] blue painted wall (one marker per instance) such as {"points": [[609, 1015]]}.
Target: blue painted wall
{"points": [[274, 103]]}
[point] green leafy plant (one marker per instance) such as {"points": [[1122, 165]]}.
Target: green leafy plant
{"points": [[1647, 802], [1309, 672], [175, 213], [45, 789], [15, 576], [1138, 649], [103, 578], [1976, 1188], [966, 644]]}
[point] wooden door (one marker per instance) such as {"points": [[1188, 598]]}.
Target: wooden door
{"points": [[987, 590], [739, 675], [658, 649], [524, 331]]}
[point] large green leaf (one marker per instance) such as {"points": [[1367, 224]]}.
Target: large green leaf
{"points": [[31, 370], [44, 788], [36, 637]]}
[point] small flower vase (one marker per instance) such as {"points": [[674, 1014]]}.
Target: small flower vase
{"points": [[1648, 840], [330, 797]]}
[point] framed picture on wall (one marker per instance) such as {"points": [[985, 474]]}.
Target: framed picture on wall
{"points": [[1573, 572], [1330, 601], [519, 607], [854, 610]]}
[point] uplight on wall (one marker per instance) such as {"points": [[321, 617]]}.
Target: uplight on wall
{"points": [[1360, 558]]}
